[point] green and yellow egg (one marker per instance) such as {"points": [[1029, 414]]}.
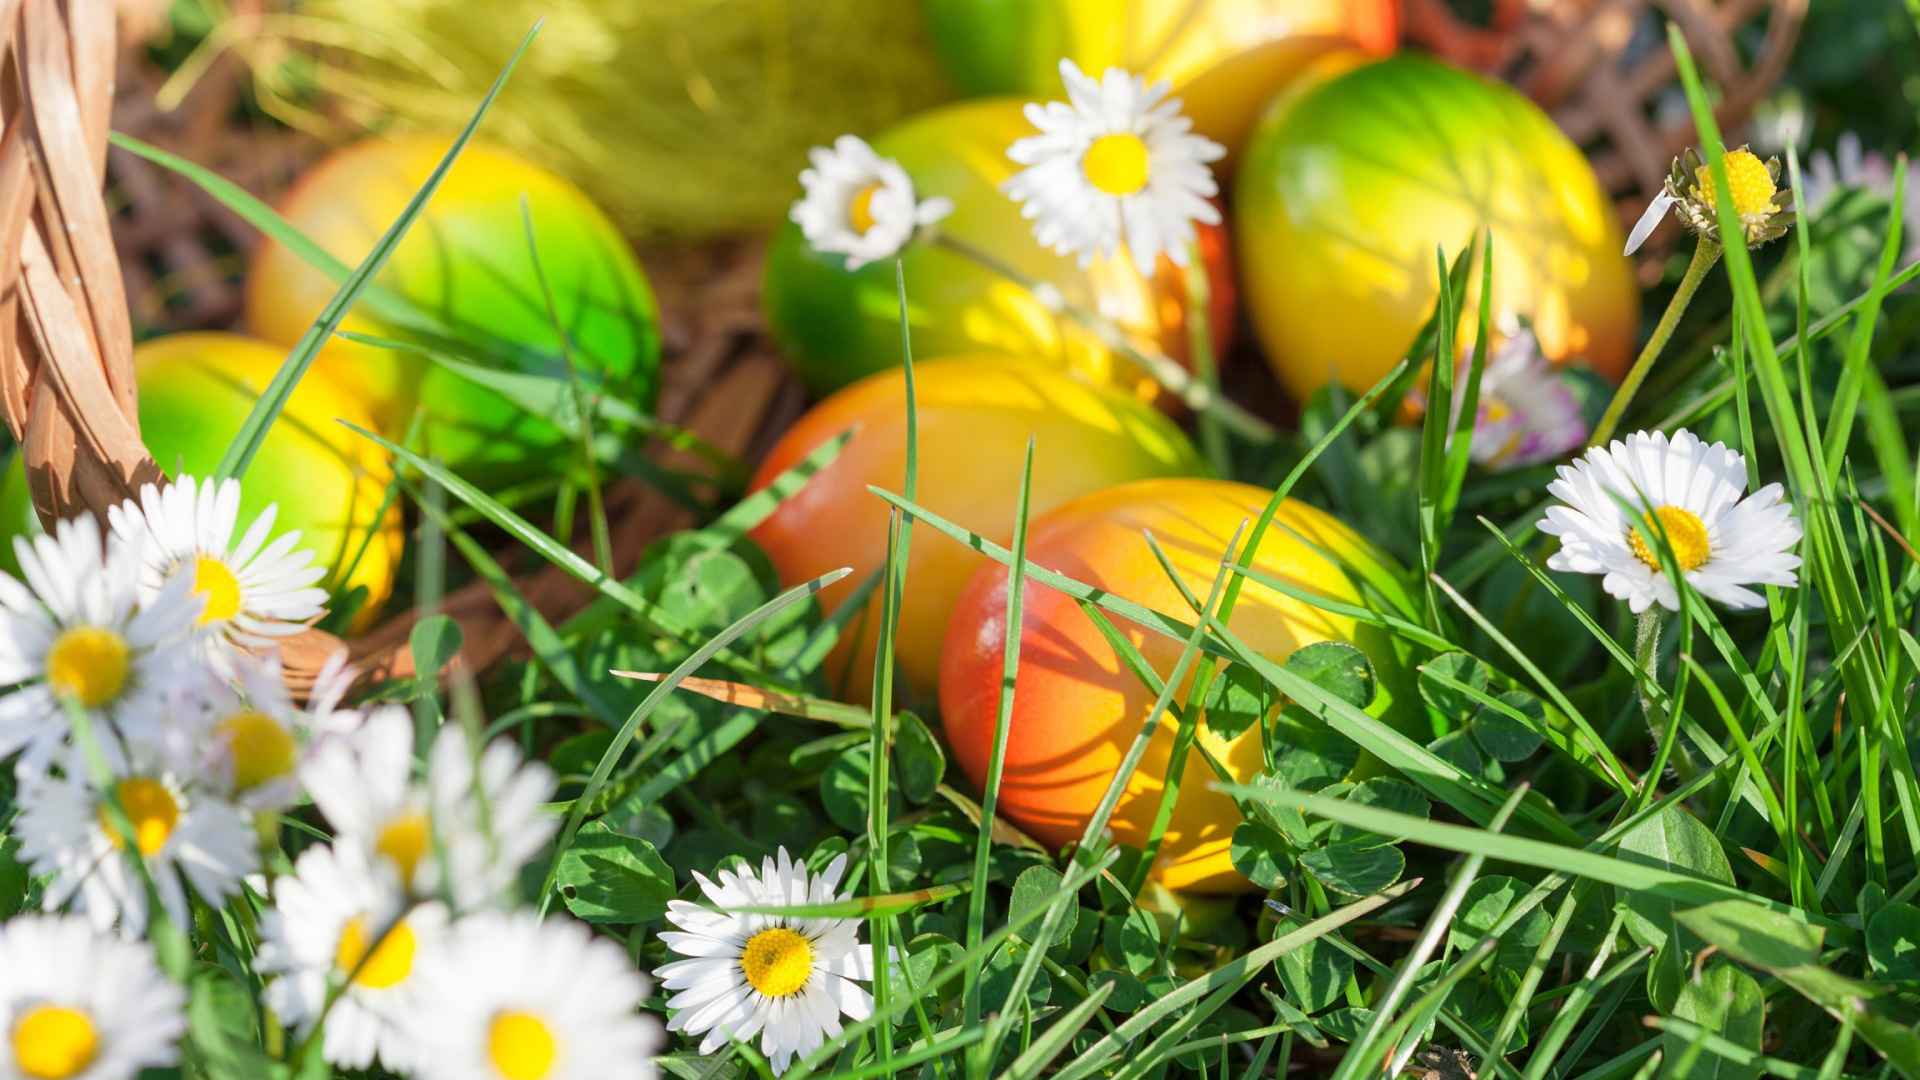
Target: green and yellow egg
{"points": [[195, 391], [836, 326], [1225, 58], [469, 264], [1354, 178]]}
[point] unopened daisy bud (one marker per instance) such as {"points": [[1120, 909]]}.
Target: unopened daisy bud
{"points": [[1766, 211], [859, 204], [1623, 501], [1115, 163]]}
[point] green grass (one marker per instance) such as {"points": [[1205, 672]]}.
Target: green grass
{"points": [[1684, 847]]}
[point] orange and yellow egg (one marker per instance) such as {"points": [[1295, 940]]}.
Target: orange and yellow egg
{"points": [[975, 415], [1077, 707]]}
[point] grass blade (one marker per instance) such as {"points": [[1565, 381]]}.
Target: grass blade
{"points": [[253, 430]]}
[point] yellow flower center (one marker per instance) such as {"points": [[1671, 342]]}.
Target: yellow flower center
{"points": [[1747, 178], [860, 211], [1686, 534], [213, 580], [262, 748], [151, 809], [404, 840], [1117, 164], [521, 1046], [89, 663], [52, 1043], [777, 962], [390, 962]]}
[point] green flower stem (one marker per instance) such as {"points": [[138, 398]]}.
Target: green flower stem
{"points": [[1646, 651], [1198, 396], [1704, 256], [1665, 730], [1213, 437]]}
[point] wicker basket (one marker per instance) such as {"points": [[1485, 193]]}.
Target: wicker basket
{"points": [[1589, 63], [66, 378]]}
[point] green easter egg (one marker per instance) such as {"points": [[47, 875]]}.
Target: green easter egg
{"points": [[468, 263]]}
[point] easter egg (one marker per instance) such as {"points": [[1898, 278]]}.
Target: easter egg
{"points": [[1352, 181], [1226, 58], [195, 391], [1076, 706], [836, 325], [975, 416], [468, 264]]}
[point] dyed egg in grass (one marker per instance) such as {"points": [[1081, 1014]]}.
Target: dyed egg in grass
{"points": [[1076, 706], [837, 326], [467, 263], [195, 390], [1353, 180], [975, 417], [1225, 57]]}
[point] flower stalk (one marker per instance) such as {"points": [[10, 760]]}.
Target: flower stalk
{"points": [[1704, 256]]}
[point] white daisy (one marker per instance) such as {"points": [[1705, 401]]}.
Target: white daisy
{"points": [[1721, 541], [245, 735], [859, 204], [480, 820], [1116, 161], [184, 836], [1526, 414], [78, 627], [78, 1006], [255, 591], [336, 921], [787, 980], [509, 997]]}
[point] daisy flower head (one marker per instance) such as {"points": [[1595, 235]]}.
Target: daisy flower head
{"points": [[246, 734], [76, 627], [1526, 413], [253, 590], [469, 826], [859, 204], [1687, 490], [1766, 210], [182, 834], [339, 921], [787, 980], [509, 997], [78, 1006], [1116, 163]]}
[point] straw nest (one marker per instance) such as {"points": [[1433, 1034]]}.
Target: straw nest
{"points": [[680, 117]]}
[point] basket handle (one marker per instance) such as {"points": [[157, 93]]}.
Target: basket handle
{"points": [[67, 382]]}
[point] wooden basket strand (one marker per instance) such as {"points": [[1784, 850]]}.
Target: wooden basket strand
{"points": [[1573, 57], [66, 341]]}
